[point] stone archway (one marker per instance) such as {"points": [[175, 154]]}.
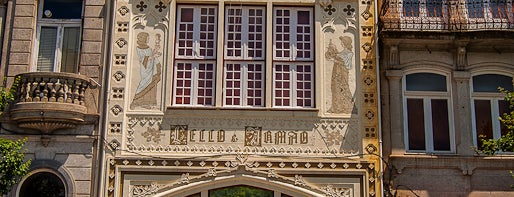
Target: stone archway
{"points": [[42, 184], [206, 184]]}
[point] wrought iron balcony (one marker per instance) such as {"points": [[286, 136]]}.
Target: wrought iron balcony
{"points": [[47, 101], [447, 15]]}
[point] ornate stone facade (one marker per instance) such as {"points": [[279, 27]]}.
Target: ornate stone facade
{"points": [[337, 136]]}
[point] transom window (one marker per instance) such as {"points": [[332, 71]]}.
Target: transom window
{"points": [[427, 106], [58, 35], [243, 59], [488, 105]]}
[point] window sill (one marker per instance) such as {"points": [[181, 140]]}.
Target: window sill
{"points": [[241, 108]]}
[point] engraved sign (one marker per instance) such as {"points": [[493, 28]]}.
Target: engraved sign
{"points": [[253, 136], [178, 135]]}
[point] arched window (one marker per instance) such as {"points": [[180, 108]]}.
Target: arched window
{"points": [[42, 184], [488, 105], [427, 109]]}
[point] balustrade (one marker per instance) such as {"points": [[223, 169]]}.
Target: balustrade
{"points": [[47, 101]]}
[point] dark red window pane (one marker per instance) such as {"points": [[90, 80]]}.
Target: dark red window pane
{"points": [[484, 125], [416, 124], [440, 125]]}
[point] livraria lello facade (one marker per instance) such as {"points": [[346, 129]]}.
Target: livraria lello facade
{"points": [[268, 97], [190, 98]]}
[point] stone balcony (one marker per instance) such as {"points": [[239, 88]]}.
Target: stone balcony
{"points": [[47, 101], [446, 15]]}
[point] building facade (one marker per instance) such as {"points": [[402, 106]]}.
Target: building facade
{"points": [[55, 50], [194, 98], [277, 97], [441, 63]]}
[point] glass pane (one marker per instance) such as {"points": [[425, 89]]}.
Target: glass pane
{"points": [[47, 44], [42, 184], [440, 125], [503, 108], [70, 49], [186, 15], [491, 82], [240, 191], [475, 8], [416, 124], [62, 9], [426, 82], [484, 126], [434, 8], [411, 8]]}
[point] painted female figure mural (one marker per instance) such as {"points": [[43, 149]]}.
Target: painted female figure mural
{"points": [[343, 61], [150, 72]]}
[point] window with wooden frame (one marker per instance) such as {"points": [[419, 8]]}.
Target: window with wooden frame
{"points": [[195, 55], [293, 57], [488, 105], [244, 67], [427, 111], [58, 35]]}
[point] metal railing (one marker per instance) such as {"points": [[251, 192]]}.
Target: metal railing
{"points": [[447, 15]]}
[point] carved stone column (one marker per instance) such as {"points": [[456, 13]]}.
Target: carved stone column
{"points": [[396, 111]]}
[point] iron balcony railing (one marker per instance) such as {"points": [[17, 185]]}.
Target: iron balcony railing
{"points": [[447, 15]]}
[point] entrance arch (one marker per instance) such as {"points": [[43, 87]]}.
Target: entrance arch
{"points": [[207, 187]]}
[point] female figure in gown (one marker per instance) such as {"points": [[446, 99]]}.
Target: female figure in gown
{"points": [[342, 99]]}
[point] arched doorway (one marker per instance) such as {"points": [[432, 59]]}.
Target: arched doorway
{"points": [[42, 184], [239, 191]]}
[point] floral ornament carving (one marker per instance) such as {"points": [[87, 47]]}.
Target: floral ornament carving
{"points": [[366, 15], [349, 10], [141, 6], [329, 9], [333, 137], [371, 148], [211, 172], [123, 10], [161, 6], [114, 144], [121, 42], [118, 76], [272, 173], [331, 191], [298, 180], [144, 190], [367, 47], [184, 179], [116, 110], [152, 134]]}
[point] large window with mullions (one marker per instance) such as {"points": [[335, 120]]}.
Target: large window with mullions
{"points": [[427, 111], [293, 57], [237, 74], [489, 104], [195, 55], [244, 66]]}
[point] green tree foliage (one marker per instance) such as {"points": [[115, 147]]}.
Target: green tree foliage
{"points": [[12, 165], [506, 142]]}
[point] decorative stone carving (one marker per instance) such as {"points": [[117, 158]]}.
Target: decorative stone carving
{"points": [[144, 190]]}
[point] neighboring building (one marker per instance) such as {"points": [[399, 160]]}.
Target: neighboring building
{"points": [[441, 62], [56, 48], [194, 98]]}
